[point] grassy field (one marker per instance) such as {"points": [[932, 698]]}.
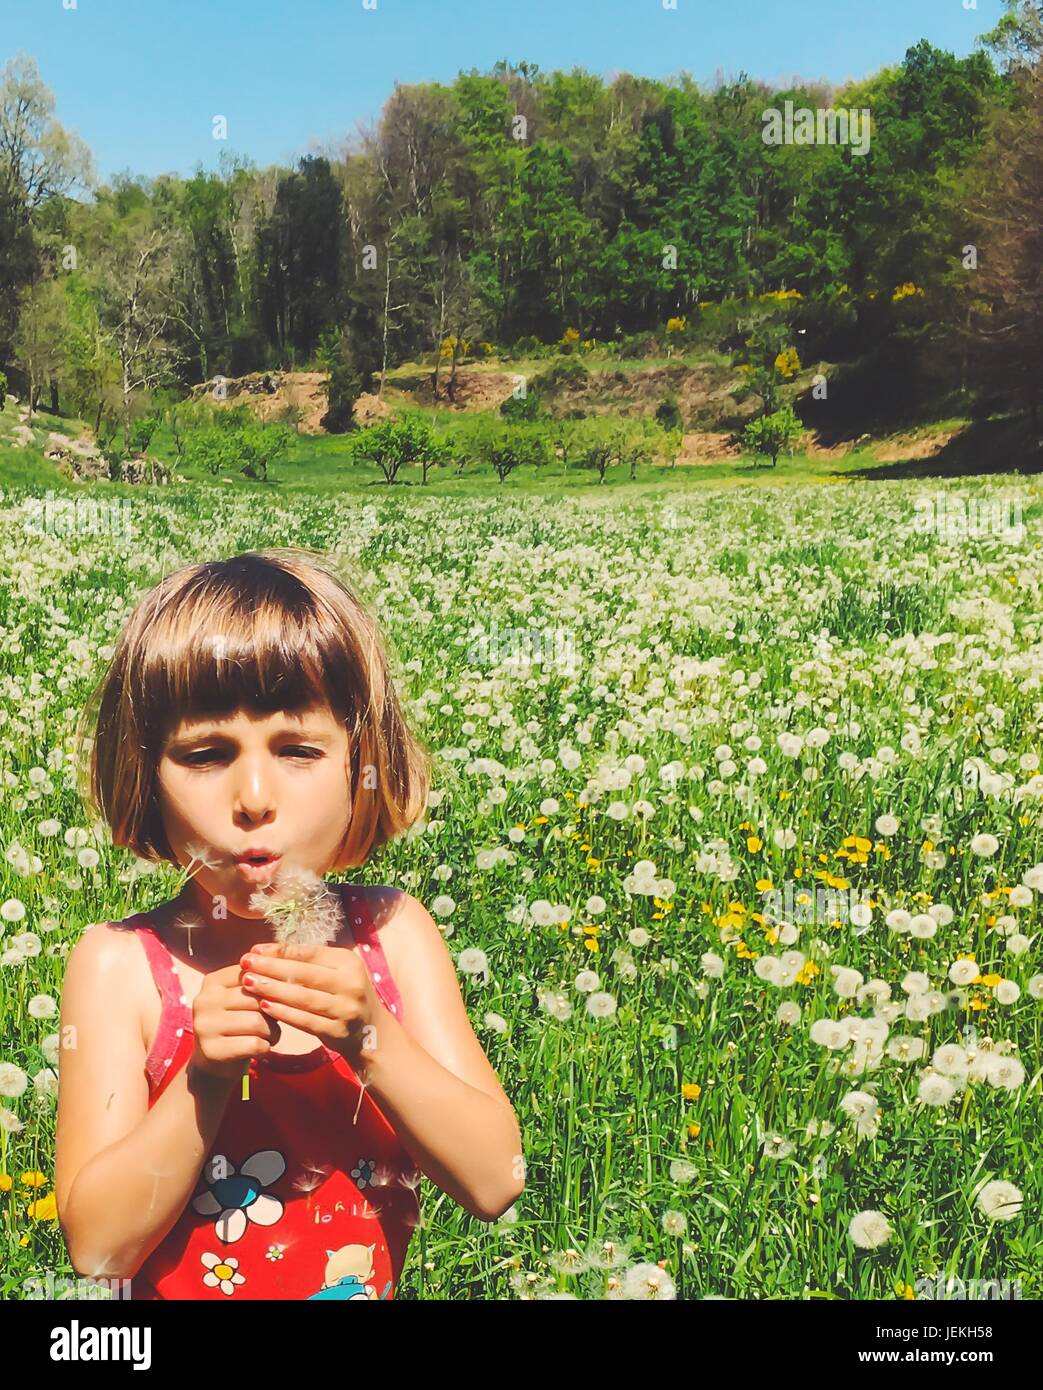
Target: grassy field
{"points": [[750, 846]]}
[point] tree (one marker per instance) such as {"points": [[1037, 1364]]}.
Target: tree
{"points": [[390, 444], [238, 445], [772, 435], [1007, 324], [43, 330], [509, 448], [39, 159], [300, 252], [133, 279]]}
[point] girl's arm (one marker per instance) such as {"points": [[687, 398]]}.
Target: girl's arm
{"points": [[433, 1081], [123, 1173]]}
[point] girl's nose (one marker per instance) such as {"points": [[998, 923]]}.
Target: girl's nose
{"points": [[253, 789]]}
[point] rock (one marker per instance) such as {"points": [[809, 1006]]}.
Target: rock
{"points": [[144, 468], [22, 436]]}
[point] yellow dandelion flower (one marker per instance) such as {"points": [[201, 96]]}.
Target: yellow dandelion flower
{"points": [[754, 843], [33, 1179], [46, 1209]]}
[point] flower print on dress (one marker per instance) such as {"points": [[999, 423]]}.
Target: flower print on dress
{"points": [[363, 1171], [222, 1272], [235, 1195]]}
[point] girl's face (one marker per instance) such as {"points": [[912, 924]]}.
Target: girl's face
{"points": [[243, 782]]}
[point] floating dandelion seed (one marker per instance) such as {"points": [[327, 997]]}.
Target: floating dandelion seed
{"points": [[188, 925], [202, 857]]}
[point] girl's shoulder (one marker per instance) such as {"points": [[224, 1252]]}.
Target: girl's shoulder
{"points": [[110, 955]]}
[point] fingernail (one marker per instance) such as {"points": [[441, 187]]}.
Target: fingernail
{"points": [[249, 980]]}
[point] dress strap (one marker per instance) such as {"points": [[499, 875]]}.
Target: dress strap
{"points": [[367, 938], [175, 1014]]}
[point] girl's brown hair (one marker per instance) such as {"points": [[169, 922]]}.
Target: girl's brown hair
{"points": [[268, 630]]}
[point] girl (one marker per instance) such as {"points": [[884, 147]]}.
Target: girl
{"points": [[247, 724]]}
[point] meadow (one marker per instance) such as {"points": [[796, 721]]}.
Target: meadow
{"points": [[662, 723]]}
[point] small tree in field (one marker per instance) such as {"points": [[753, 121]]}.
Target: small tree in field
{"points": [[391, 443], [508, 449], [769, 436]]}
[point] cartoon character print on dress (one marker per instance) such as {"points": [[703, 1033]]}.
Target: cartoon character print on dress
{"points": [[348, 1271], [235, 1196]]}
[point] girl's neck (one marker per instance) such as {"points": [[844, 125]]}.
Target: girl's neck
{"points": [[203, 941]]}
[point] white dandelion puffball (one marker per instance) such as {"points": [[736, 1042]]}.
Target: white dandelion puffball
{"points": [[898, 919], [788, 1013], [860, 1105], [1000, 1200], [869, 1229], [443, 906], [963, 972], [647, 1282], [935, 1090], [13, 910], [950, 1059], [675, 1223], [829, 1032], [1020, 896], [595, 906], [941, 912], [886, 825], [916, 982], [1007, 992], [905, 1048], [496, 1023], [1035, 986], [472, 961], [601, 1005], [1007, 1072], [713, 965], [846, 981], [682, 1170], [41, 1006], [587, 981], [556, 1004], [1033, 878], [923, 926], [13, 1081], [984, 845]]}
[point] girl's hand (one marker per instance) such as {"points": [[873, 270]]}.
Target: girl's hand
{"points": [[322, 990], [228, 1026]]}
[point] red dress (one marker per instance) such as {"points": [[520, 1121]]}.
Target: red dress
{"points": [[307, 1192]]}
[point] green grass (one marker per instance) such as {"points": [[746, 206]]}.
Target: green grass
{"points": [[692, 1125]]}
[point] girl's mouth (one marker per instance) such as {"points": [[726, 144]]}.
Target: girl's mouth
{"points": [[257, 868]]}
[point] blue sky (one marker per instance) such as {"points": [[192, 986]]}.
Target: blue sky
{"points": [[141, 80]]}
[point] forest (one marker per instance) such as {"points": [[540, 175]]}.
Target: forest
{"points": [[519, 212]]}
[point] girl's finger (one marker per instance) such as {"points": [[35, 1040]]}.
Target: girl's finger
{"points": [[295, 1018], [313, 1001], [292, 971]]}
